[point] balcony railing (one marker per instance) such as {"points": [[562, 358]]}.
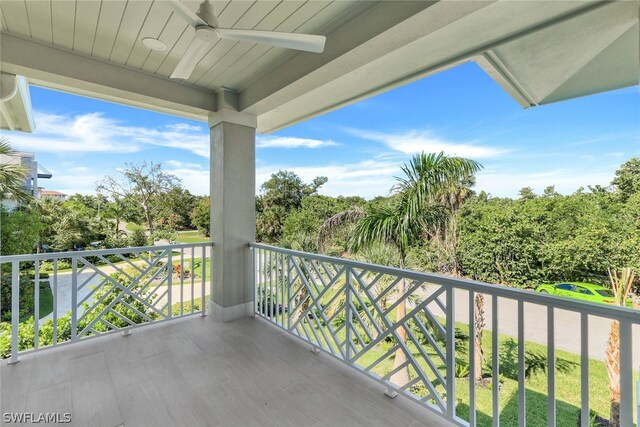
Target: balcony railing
{"points": [[90, 293], [349, 309]]}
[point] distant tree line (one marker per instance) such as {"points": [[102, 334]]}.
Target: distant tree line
{"points": [[139, 194], [522, 241]]}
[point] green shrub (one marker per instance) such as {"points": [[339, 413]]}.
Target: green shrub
{"points": [[63, 264], [138, 238], [130, 307], [26, 299]]}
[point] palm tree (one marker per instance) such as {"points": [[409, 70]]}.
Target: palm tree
{"points": [[452, 199], [12, 177], [416, 205], [621, 286]]}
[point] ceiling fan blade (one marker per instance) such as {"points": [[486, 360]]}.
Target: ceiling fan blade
{"points": [[306, 42], [185, 13], [194, 53]]}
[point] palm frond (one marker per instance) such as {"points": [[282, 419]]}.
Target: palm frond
{"points": [[432, 178], [12, 177], [349, 216]]}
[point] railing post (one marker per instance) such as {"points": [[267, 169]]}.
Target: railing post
{"points": [[584, 369], [203, 302], [348, 314], [252, 251], [54, 333], [626, 373], [522, 392], [36, 297], [170, 282], [495, 361], [181, 299], [451, 353], [472, 359], [74, 298], [15, 310], [551, 367], [638, 401], [289, 285]]}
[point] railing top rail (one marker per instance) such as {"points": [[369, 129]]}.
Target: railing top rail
{"points": [[70, 254], [608, 311]]}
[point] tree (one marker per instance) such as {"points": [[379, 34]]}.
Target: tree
{"points": [[527, 193], [282, 194], [174, 207], [144, 183], [66, 225], [120, 209], [19, 232], [400, 223], [201, 216], [627, 180], [621, 286], [300, 228], [12, 177], [432, 182]]}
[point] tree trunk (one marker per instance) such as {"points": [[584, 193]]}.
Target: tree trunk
{"points": [[477, 339], [453, 244], [612, 363], [401, 377], [147, 214]]}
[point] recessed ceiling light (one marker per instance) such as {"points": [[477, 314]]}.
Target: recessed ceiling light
{"points": [[153, 44]]}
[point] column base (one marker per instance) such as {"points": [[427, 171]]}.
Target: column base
{"points": [[226, 314]]}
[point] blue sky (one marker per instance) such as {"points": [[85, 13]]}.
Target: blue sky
{"points": [[360, 148]]}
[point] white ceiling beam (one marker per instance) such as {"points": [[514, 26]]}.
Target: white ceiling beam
{"points": [[5, 115], [346, 49], [64, 70], [439, 37]]}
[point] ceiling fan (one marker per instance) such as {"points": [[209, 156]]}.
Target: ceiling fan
{"points": [[207, 32]]}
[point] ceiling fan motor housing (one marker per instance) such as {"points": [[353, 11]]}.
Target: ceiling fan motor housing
{"points": [[208, 34], [8, 86], [205, 12]]}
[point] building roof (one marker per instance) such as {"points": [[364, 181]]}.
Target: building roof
{"points": [[52, 193]]}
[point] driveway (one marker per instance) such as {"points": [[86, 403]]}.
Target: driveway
{"points": [[567, 324], [64, 302]]}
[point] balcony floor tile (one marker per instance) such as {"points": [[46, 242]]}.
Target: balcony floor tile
{"points": [[199, 372]]}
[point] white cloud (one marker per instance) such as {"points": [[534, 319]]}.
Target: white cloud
{"points": [[263, 141], [367, 178], [194, 176], [621, 137], [414, 142], [71, 180], [92, 133]]}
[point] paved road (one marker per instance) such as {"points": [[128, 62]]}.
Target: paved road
{"points": [[567, 325]]}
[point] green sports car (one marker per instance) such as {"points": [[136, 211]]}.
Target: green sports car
{"points": [[582, 291]]}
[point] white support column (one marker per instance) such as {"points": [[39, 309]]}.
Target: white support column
{"points": [[233, 218]]}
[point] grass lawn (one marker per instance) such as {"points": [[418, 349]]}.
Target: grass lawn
{"points": [[567, 378], [175, 308], [192, 236], [132, 226], [46, 300]]}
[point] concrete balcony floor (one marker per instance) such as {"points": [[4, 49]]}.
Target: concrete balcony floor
{"points": [[199, 372]]}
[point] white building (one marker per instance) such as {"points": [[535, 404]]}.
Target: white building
{"points": [[34, 173], [51, 194]]}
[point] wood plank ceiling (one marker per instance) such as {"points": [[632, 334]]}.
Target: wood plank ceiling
{"points": [[112, 30]]}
